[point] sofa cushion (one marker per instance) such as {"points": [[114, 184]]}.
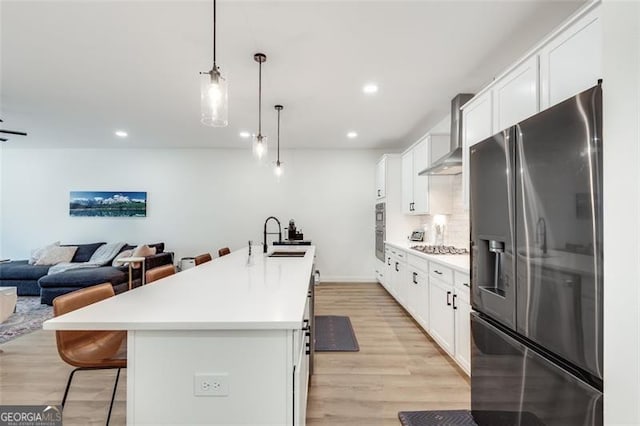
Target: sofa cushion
{"points": [[37, 253], [21, 270], [84, 277], [85, 251], [56, 254]]}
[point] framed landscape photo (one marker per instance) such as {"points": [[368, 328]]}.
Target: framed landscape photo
{"points": [[108, 204]]}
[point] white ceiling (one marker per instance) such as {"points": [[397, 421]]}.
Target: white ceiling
{"points": [[74, 72]]}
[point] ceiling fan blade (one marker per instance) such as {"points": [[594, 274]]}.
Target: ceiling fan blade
{"points": [[13, 132], [3, 140]]}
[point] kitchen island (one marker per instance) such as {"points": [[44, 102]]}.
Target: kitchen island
{"points": [[222, 343]]}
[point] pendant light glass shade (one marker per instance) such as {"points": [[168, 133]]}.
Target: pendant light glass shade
{"points": [[214, 99], [278, 171], [260, 146]]}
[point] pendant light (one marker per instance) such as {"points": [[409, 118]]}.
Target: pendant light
{"points": [[259, 141], [214, 98], [278, 170]]}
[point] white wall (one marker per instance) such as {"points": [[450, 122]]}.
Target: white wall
{"points": [[621, 95], [198, 200]]}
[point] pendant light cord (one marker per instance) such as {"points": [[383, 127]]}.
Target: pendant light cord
{"points": [[278, 161], [259, 98], [214, 33]]}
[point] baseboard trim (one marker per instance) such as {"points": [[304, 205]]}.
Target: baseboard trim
{"points": [[350, 280]]}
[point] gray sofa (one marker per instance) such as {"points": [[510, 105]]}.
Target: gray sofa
{"points": [[33, 280]]}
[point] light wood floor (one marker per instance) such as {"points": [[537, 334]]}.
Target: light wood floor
{"points": [[398, 368]]}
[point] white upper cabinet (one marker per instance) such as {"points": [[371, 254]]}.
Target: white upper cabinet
{"points": [[572, 61], [516, 95], [381, 174], [425, 194], [477, 125], [407, 182]]}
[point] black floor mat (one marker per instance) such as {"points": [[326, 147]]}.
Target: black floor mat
{"points": [[334, 334], [437, 418]]}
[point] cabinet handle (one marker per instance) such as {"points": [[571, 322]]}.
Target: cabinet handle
{"points": [[466, 285], [448, 301], [437, 272], [388, 261], [454, 301], [415, 278], [397, 270], [378, 192]]}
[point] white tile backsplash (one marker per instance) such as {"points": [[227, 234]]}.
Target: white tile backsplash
{"points": [[456, 231]]}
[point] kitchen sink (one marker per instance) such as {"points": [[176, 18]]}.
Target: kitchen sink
{"points": [[288, 253]]}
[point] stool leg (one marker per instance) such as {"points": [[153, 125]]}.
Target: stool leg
{"points": [[113, 396]]}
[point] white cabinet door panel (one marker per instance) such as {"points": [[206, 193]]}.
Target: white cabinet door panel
{"points": [[407, 182], [441, 316], [572, 62], [381, 174], [477, 125], [421, 161], [463, 332], [516, 95]]}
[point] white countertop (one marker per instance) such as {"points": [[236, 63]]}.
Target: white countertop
{"points": [[224, 294], [459, 262]]}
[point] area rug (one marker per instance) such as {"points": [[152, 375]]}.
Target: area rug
{"points": [[334, 334], [28, 317]]}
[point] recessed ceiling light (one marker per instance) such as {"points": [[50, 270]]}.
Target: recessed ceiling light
{"points": [[245, 134], [352, 135], [121, 134], [370, 88]]}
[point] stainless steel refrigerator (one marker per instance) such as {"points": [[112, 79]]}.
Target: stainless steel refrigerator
{"points": [[536, 265]]}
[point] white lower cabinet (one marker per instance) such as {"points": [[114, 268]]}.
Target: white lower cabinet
{"points": [[418, 303], [441, 315], [462, 309], [436, 296]]}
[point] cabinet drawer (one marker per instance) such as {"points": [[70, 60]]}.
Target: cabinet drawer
{"points": [[440, 272], [418, 262], [461, 280]]}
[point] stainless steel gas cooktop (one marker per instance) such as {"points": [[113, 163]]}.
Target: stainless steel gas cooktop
{"points": [[441, 249]]}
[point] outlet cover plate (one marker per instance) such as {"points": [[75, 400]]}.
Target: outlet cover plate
{"points": [[208, 384]]}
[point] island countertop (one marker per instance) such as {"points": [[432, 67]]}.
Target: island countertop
{"points": [[224, 294]]}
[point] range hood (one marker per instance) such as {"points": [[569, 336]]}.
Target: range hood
{"points": [[451, 163]]}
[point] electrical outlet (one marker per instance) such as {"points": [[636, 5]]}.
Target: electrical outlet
{"points": [[211, 384]]}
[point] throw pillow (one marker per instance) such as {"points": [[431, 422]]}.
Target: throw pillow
{"points": [[56, 254], [37, 253], [124, 253]]}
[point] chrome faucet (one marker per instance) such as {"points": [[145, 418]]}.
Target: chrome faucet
{"points": [[541, 235], [265, 233]]}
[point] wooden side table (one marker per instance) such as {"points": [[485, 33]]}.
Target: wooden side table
{"points": [[131, 261]]}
